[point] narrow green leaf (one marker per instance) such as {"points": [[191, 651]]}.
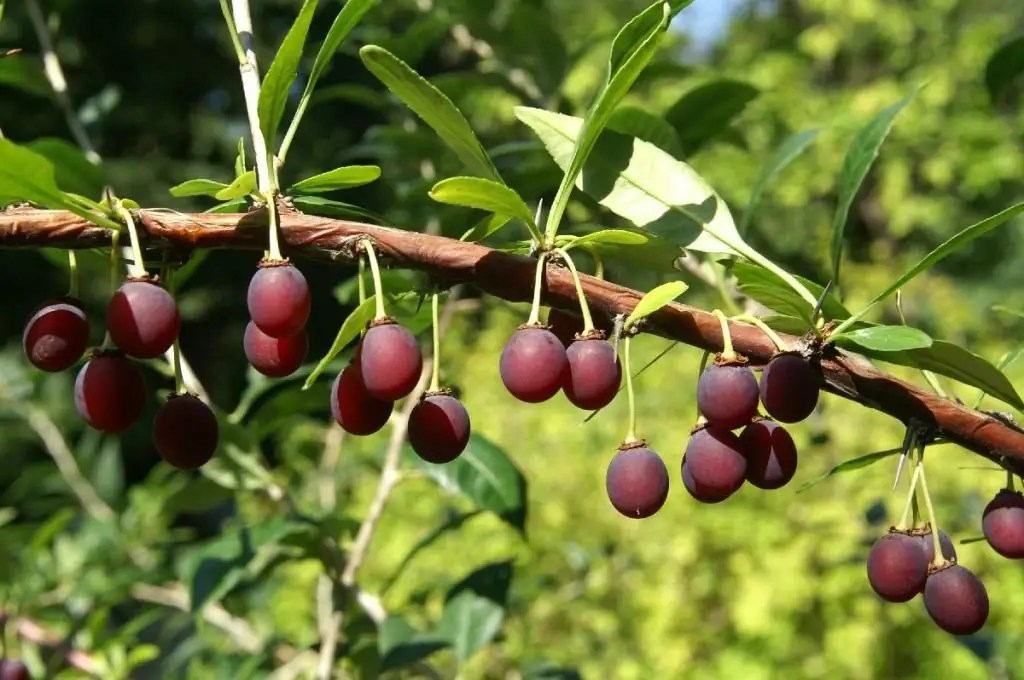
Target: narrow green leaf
{"points": [[240, 158], [238, 205], [633, 48], [475, 608], [889, 338], [1006, 310], [431, 105], [787, 152], [767, 288], [619, 237], [485, 475], [485, 227], [26, 74], [484, 194], [859, 158], [1005, 362], [706, 111], [655, 299], [318, 205], [947, 248], [74, 172], [852, 464], [1004, 67], [244, 185], [197, 187], [350, 329], [400, 645], [281, 75], [642, 124], [345, 177]]}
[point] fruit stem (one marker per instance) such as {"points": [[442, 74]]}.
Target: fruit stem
{"points": [[274, 238], [772, 335], [435, 377], [700, 372], [939, 558], [72, 274], [537, 283], [137, 268], [378, 287], [631, 433], [910, 499], [179, 382], [115, 277], [727, 351], [362, 280], [598, 264], [588, 321]]}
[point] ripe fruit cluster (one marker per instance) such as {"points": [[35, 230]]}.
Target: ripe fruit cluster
{"points": [[717, 461], [278, 299]]}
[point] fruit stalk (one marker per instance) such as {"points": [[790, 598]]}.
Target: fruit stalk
{"points": [[728, 353], [137, 268], [435, 376], [939, 558], [72, 274], [772, 335], [378, 286], [631, 432], [538, 283], [588, 321]]}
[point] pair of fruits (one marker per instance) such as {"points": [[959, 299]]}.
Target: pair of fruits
{"points": [[278, 299]]}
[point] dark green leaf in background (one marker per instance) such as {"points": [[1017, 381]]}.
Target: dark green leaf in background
{"points": [[475, 608], [707, 110], [785, 154], [1005, 67]]}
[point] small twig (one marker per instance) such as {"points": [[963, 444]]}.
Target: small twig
{"points": [[55, 74], [175, 596], [249, 71]]}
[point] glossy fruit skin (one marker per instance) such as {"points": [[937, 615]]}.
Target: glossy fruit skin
{"points": [[789, 388], [771, 454], [533, 364], [13, 670], [56, 335], [716, 461], [927, 544], [110, 392], [567, 326], [696, 490], [439, 428], [727, 395], [956, 600], [637, 482], [185, 432], [593, 374], [278, 299], [896, 567], [143, 319], [1003, 524], [352, 406], [274, 357], [390, 361]]}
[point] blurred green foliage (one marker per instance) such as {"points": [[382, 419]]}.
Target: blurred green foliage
{"points": [[763, 586]]}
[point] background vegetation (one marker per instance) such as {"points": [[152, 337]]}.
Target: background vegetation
{"points": [[763, 586]]}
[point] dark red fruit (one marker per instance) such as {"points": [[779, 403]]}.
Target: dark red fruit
{"points": [[278, 299], [771, 454], [390, 360], [567, 326], [924, 538], [533, 364], [593, 374], [697, 491], [897, 568], [1003, 524], [13, 670], [716, 461], [352, 406], [637, 482], [439, 428], [185, 432], [56, 335], [274, 357], [110, 392], [956, 600], [789, 388], [727, 394], [142, 319]]}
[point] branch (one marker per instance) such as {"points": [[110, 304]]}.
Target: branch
{"points": [[510, 277], [175, 597]]}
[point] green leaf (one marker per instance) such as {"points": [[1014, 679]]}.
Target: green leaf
{"points": [[26, 74], [485, 475], [197, 187], [340, 178], [475, 609], [1004, 67], [655, 299], [859, 158], [771, 291], [484, 194], [453, 522], [400, 645], [787, 152], [707, 110], [485, 227], [889, 338], [642, 124], [349, 331], [238, 205], [281, 75], [619, 237], [633, 48], [240, 158], [645, 185], [852, 464], [1006, 310], [74, 172], [947, 248], [318, 205], [430, 104], [31, 177], [244, 185]]}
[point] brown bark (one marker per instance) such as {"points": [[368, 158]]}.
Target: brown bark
{"points": [[511, 277]]}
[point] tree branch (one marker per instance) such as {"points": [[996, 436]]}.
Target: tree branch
{"points": [[510, 277]]}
